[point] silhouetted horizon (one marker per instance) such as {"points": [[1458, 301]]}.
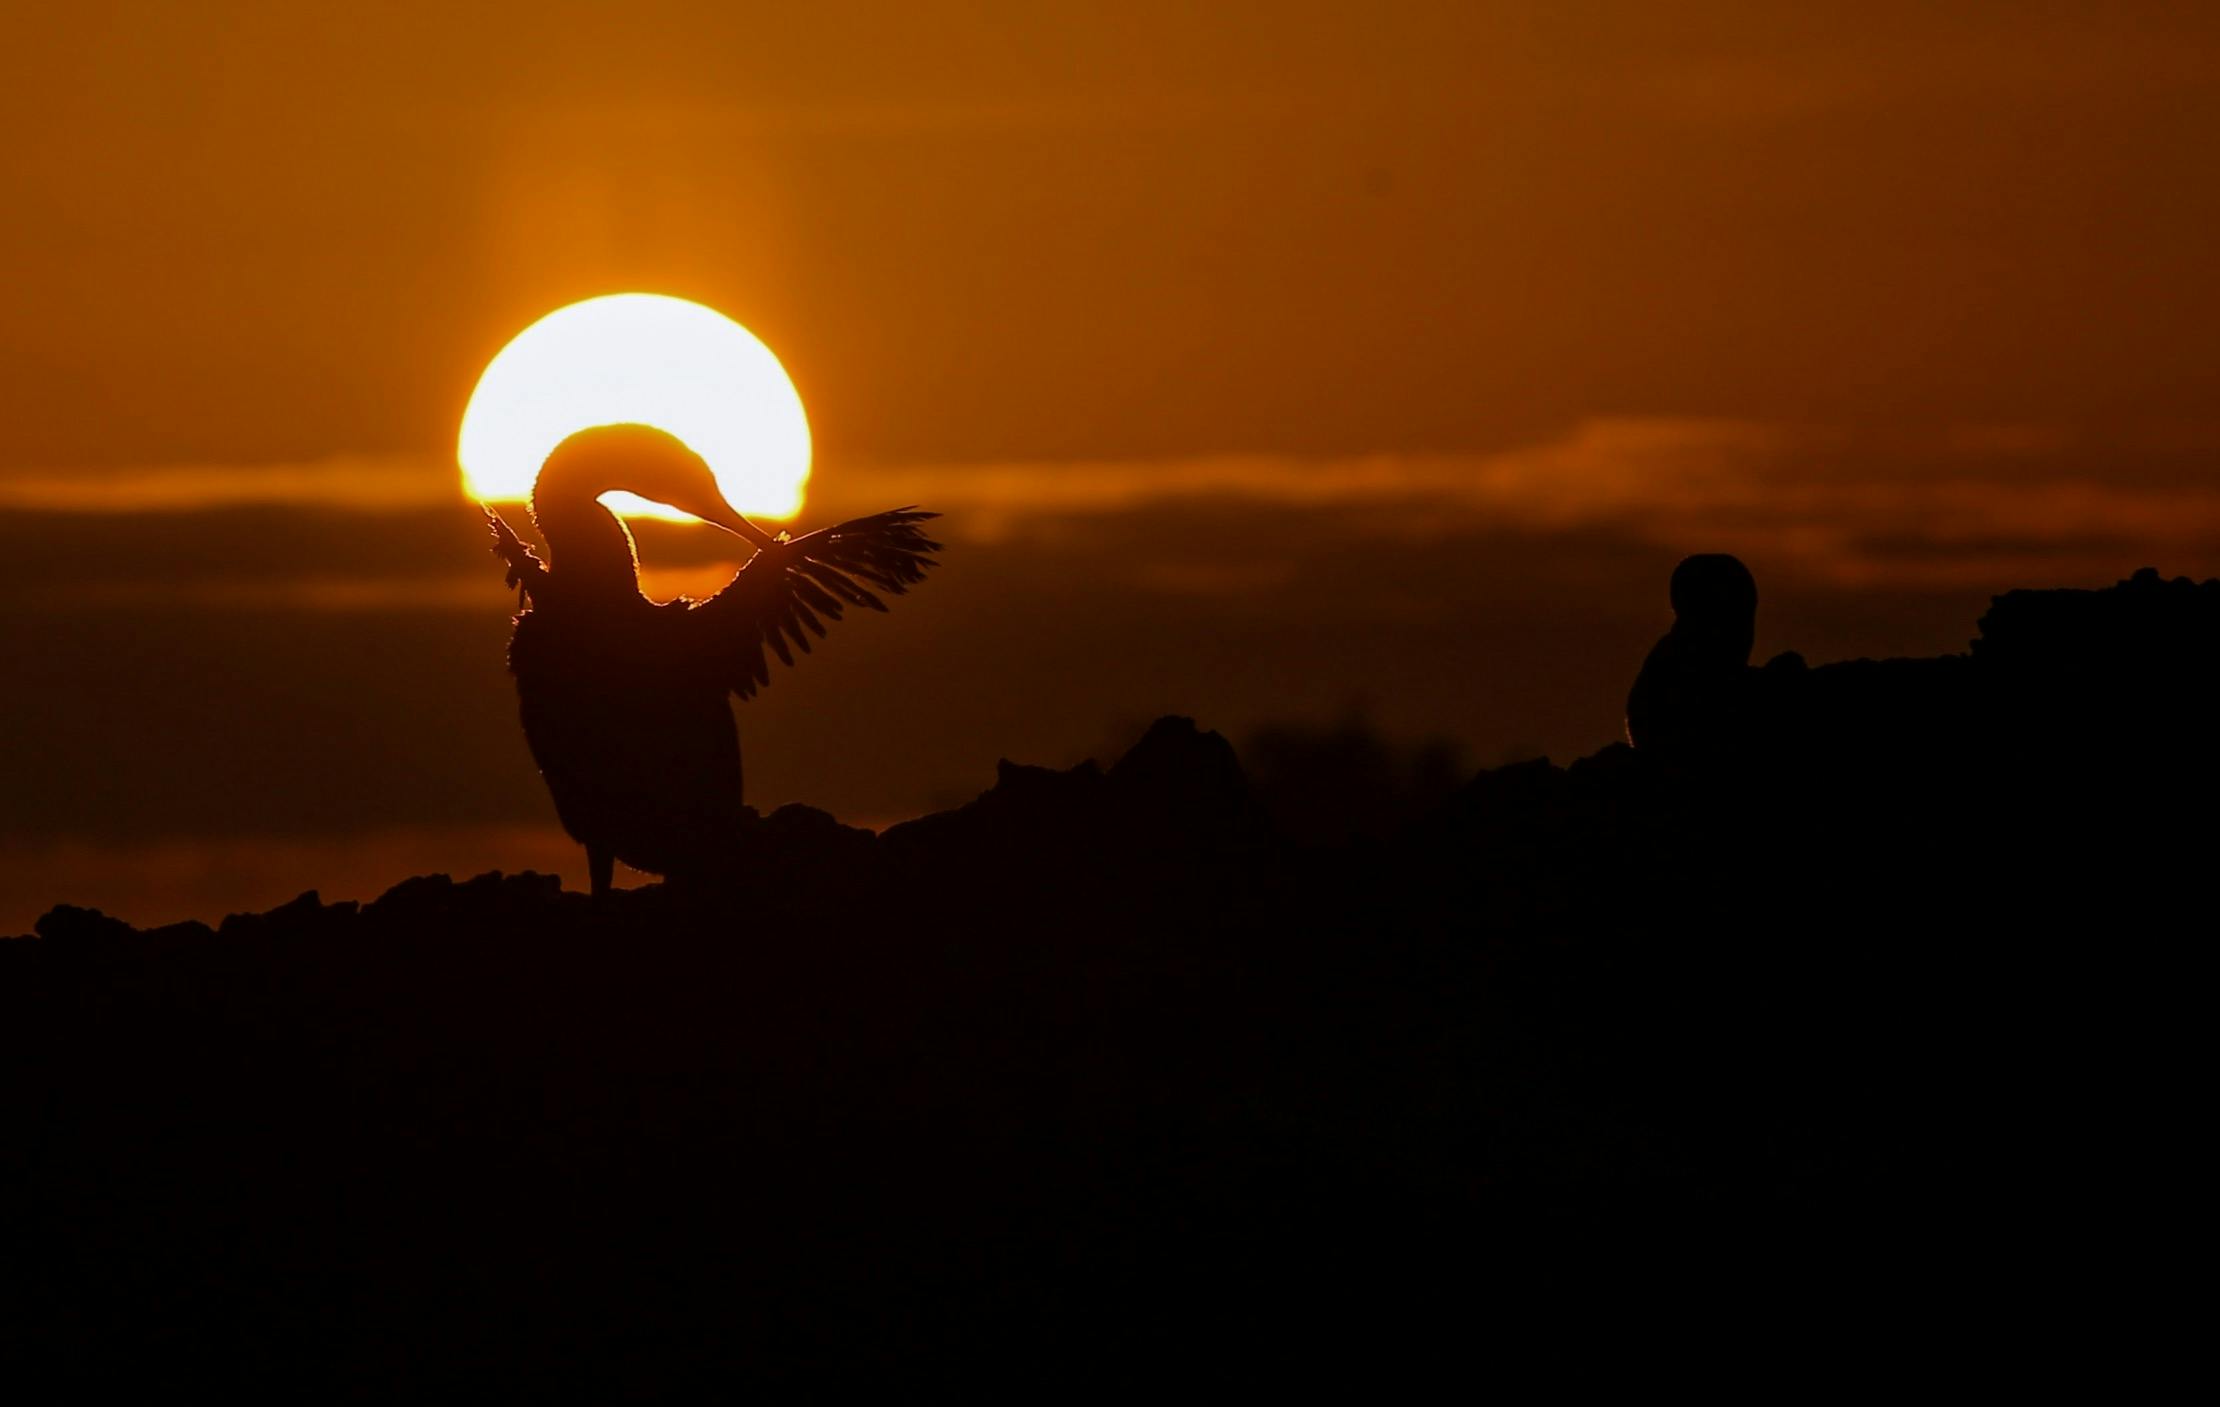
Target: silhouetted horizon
{"points": [[948, 1098], [1374, 783]]}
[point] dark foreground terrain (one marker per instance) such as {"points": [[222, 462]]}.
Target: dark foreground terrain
{"points": [[1889, 1024]]}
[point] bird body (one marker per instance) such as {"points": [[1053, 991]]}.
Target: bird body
{"points": [[1692, 697], [626, 703], [637, 743]]}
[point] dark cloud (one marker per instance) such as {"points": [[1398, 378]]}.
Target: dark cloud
{"points": [[146, 705]]}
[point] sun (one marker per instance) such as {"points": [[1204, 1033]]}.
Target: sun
{"points": [[640, 359]]}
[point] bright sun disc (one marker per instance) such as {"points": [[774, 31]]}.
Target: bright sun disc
{"points": [[640, 359]]}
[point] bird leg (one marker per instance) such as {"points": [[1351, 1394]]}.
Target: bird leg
{"points": [[601, 866]]}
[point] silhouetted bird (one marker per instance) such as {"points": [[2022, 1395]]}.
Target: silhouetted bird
{"points": [[1693, 694], [624, 700]]}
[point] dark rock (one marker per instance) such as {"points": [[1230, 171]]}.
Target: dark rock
{"points": [[1027, 806], [67, 923], [191, 933], [1504, 799], [1182, 788], [1098, 1039], [1177, 760], [416, 897], [304, 915], [438, 895]]}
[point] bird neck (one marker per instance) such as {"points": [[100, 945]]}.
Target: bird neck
{"points": [[589, 548]]}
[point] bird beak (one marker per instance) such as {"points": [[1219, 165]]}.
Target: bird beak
{"points": [[722, 514]]}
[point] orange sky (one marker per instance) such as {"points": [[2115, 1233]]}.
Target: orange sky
{"points": [[1272, 360], [258, 233]]}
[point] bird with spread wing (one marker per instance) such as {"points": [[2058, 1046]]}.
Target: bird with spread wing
{"points": [[625, 700]]}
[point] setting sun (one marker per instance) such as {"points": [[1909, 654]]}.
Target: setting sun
{"points": [[640, 358]]}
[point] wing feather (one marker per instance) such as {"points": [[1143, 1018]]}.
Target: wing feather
{"points": [[794, 589], [813, 597], [526, 571], [807, 617]]}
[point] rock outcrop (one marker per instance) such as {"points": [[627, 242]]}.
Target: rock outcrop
{"points": [[1102, 1038]]}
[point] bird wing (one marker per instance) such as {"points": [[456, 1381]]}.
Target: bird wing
{"points": [[791, 588], [526, 571]]}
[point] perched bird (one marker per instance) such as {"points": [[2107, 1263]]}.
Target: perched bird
{"points": [[624, 701], [1692, 699]]}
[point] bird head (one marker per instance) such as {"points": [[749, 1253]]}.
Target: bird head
{"points": [[1715, 602], [642, 460]]}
